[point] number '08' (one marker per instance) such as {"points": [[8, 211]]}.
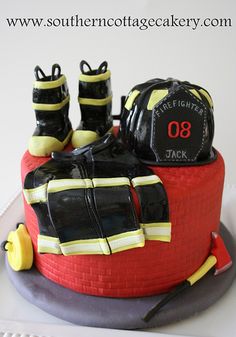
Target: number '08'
{"points": [[179, 129]]}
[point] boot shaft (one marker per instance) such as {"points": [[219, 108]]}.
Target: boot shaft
{"points": [[95, 97], [95, 84], [50, 90]]}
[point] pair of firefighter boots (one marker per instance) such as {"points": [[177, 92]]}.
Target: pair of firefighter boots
{"points": [[51, 101]]}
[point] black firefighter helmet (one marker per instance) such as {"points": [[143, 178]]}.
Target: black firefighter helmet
{"points": [[169, 123]]}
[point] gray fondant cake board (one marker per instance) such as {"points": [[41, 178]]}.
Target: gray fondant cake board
{"points": [[122, 313]]}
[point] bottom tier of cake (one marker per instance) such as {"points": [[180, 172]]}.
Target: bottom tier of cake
{"points": [[194, 195]]}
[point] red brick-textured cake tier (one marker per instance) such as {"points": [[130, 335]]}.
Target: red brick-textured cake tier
{"points": [[194, 195]]}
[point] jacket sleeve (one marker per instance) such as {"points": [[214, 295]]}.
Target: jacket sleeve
{"points": [[154, 208]]}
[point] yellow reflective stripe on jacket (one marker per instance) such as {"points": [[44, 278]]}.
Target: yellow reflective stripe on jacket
{"points": [[89, 246], [94, 101], [145, 180], [50, 84], [39, 194], [125, 241], [156, 97], [68, 184], [118, 242], [106, 182], [48, 244], [160, 231], [131, 99], [36, 195], [51, 107]]}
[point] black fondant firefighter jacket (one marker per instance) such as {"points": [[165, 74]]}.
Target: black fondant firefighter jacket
{"points": [[84, 201]]}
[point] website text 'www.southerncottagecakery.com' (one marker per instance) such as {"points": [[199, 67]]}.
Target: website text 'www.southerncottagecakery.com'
{"points": [[143, 23]]}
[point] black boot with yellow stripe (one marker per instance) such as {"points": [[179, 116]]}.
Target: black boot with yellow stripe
{"points": [[51, 105], [95, 99]]}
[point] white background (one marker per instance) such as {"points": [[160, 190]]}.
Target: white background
{"points": [[204, 56]]}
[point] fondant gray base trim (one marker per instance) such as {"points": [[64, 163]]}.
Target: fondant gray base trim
{"points": [[122, 313]]}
